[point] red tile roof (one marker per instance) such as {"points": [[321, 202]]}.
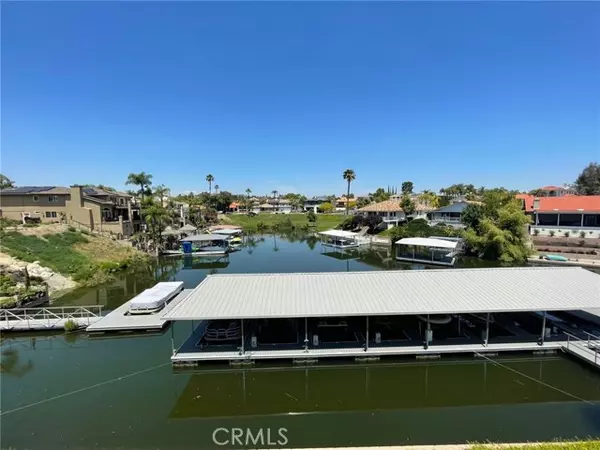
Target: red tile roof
{"points": [[571, 203]]}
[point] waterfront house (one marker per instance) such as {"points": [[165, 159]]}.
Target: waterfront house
{"points": [[342, 202], [556, 191], [279, 205], [571, 214], [90, 208], [314, 203], [389, 210], [449, 215]]}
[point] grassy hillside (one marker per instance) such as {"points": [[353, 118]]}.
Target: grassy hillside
{"points": [[251, 223], [88, 259], [584, 445]]}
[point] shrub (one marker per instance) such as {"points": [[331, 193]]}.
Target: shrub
{"points": [[552, 233], [582, 234], [581, 242], [536, 232], [70, 326], [567, 234], [311, 216], [72, 229], [261, 226]]}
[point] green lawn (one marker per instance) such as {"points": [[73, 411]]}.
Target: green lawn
{"points": [[250, 223], [583, 445]]}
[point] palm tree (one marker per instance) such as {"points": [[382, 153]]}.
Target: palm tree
{"points": [[274, 192], [216, 188], [161, 191], [210, 179], [144, 181], [248, 192], [349, 176]]}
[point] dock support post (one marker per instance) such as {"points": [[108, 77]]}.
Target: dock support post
{"points": [[543, 329], [242, 352], [459, 335], [367, 341], [306, 334], [172, 338], [487, 329]]}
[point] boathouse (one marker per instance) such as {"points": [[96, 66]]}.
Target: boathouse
{"points": [[307, 316]]}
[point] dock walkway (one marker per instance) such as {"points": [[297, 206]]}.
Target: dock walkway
{"points": [[587, 350], [120, 320], [357, 352], [49, 318]]}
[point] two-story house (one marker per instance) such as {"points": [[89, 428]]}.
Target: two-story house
{"points": [[88, 207]]}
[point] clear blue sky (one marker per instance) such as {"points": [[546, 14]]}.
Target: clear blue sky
{"points": [[287, 95]]}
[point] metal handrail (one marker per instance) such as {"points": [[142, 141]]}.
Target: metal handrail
{"points": [[52, 315], [591, 335], [584, 345]]}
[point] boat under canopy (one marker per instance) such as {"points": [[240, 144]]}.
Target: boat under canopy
{"points": [[204, 244], [342, 239], [427, 250]]}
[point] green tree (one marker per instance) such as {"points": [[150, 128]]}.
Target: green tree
{"points": [[430, 198], [248, 192], [216, 188], [407, 187], [503, 237], [157, 218], [588, 181], [144, 181], [274, 192], [311, 216], [161, 191], [326, 207], [362, 202], [210, 180], [349, 176], [407, 205], [379, 195], [472, 215], [6, 182]]}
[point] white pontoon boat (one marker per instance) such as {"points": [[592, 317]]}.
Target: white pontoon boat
{"points": [[155, 298]]}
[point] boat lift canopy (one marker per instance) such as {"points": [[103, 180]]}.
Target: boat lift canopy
{"points": [[203, 238], [401, 292], [428, 242]]}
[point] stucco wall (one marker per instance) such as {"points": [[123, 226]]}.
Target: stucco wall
{"points": [[13, 206]]}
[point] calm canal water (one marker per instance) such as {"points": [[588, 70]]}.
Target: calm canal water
{"points": [[121, 392]]}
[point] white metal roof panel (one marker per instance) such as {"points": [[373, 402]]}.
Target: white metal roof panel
{"points": [[427, 242], [390, 293], [338, 233]]}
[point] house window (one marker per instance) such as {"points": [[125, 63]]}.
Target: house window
{"points": [[53, 198], [121, 201], [35, 198], [106, 213], [51, 214]]}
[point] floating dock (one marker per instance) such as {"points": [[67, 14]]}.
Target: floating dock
{"points": [[119, 319], [353, 302], [186, 355]]}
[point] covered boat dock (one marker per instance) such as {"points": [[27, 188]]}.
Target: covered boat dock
{"points": [[308, 316]]}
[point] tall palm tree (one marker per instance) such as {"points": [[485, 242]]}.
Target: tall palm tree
{"points": [[216, 188], [349, 176], [210, 179], [248, 192], [161, 191], [144, 181], [274, 192]]}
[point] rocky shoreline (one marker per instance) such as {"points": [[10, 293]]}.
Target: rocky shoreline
{"points": [[29, 284]]}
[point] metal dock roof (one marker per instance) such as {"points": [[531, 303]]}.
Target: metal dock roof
{"points": [[440, 291]]}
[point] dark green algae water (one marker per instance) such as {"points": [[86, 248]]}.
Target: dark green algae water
{"points": [[121, 392]]}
